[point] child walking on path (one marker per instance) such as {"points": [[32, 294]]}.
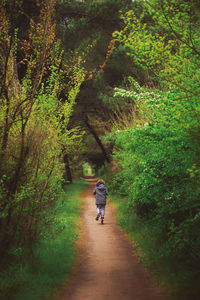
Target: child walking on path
{"points": [[101, 192]]}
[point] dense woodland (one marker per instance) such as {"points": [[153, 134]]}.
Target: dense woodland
{"points": [[115, 84]]}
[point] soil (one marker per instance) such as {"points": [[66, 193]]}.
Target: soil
{"points": [[107, 267]]}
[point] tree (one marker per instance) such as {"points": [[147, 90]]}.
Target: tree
{"points": [[33, 120], [87, 26], [158, 152]]}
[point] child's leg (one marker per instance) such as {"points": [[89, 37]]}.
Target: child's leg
{"points": [[98, 212], [102, 211]]}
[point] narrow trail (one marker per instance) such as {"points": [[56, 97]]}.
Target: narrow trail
{"points": [[107, 267]]}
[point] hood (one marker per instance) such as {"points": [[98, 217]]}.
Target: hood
{"points": [[100, 186]]}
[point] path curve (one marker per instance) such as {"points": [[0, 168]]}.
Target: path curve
{"points": [[107, 268]]}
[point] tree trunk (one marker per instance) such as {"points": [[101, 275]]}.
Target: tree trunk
{"points": [[93, 132], [67, 168], [6, 129]]}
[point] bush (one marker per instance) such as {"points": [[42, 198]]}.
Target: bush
{"points": [[52, 256], [161, 183]]}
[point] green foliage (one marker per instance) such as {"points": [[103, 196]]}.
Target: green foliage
{"points": [[87, 27], [52, 256], [87, 169], [158, 150], [33, 121], [160, 177]]}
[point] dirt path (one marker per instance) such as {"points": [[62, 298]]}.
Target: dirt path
{"points": [[107, 269]]}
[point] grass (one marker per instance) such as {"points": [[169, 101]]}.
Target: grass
{"points": [[53, 256]]}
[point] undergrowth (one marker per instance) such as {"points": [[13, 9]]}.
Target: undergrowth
{"points": [[166, 270], [52, 257]]}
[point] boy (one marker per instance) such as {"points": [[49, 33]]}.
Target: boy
{"points": [[100, 191]]}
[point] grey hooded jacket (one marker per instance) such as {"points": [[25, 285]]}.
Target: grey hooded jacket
{"points": [[100, 191]]}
